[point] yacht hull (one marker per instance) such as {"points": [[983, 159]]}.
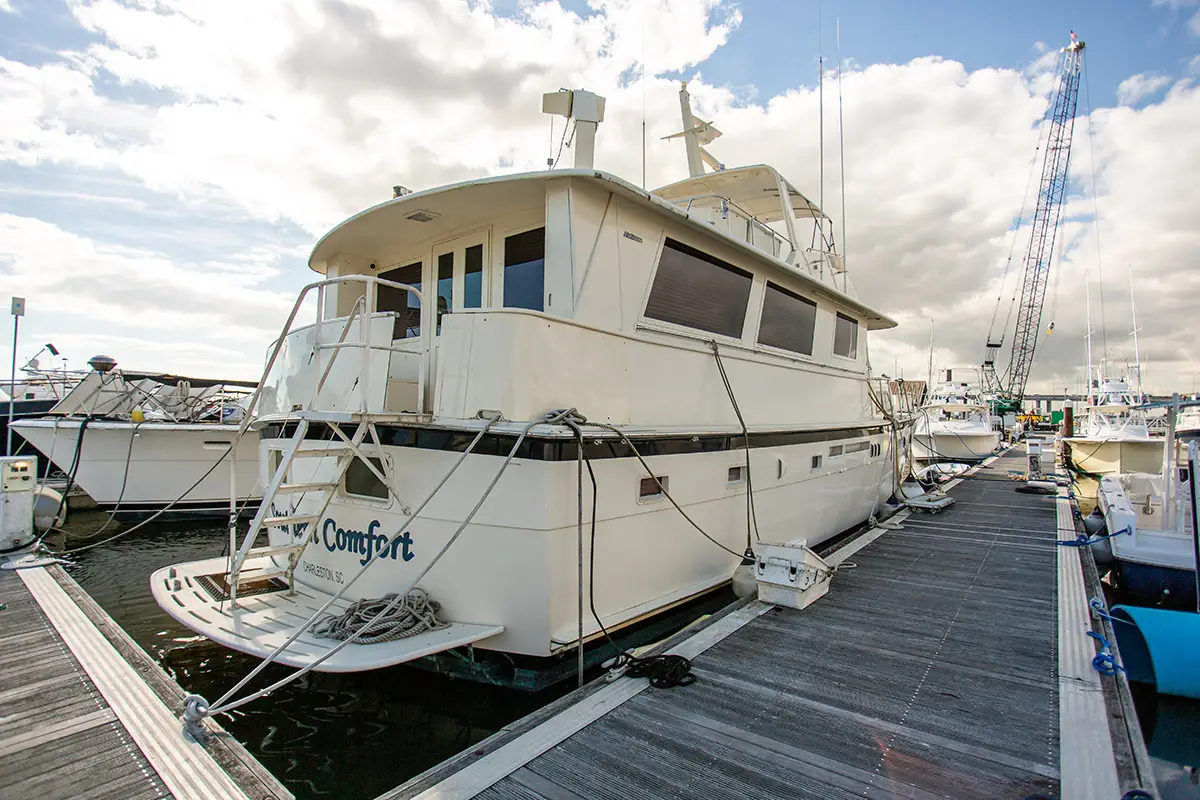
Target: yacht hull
{"points": [[1113, 456], [1154, 565], [513, 568], [955, 446], [137, 469]]}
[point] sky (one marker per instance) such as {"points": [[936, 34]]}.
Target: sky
{"points": [[166, 165]]}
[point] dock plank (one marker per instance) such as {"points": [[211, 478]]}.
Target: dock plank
{"points": [[931, 669], [81, 709]]}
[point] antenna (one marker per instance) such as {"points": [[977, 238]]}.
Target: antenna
{"points": [[841, 138], [929, 382], [821, 110], [1087, 287], [643, 82], [1137, 357]]}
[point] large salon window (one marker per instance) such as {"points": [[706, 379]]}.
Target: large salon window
{"points": [[406, 304], [696, 290], [525, 269], [845, 337], [788, 321]]}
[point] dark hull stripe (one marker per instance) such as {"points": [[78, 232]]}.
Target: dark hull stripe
{"points": [[542, 449]]}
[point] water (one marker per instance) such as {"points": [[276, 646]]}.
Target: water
{"points": [[345, 736]]}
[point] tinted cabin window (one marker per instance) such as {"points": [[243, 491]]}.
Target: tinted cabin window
{"points": [[788, 321], [845, 337], [473, 277], [696, 290], [362, 482], [445, 287], [525, 269], [404, 303]]}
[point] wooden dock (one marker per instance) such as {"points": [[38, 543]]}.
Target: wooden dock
{"points": [[85, 713], [951, 661]]}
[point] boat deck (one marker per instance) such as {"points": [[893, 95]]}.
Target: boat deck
{"points": [[951, 661], [87, 714]]}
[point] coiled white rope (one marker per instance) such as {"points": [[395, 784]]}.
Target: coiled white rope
{"points": [[371, 621]]}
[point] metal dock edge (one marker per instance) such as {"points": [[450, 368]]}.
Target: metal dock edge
{"points": [[89, 714], [952, 661]]}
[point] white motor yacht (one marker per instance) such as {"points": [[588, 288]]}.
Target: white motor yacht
{"points": [[414, 434], [139, 443], [955, 424]]}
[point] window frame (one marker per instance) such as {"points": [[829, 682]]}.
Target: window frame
{"points": [[700, 334], [775, 349], [857, 327], [502, 269], [385, 466]]}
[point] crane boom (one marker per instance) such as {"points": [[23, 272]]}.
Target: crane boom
{"points": [[1036, 273]]}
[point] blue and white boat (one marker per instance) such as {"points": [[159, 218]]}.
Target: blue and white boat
{"points": [[1150, 544]]}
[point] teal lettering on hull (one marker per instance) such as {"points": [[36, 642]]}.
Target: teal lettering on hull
{"points": [[366, 544]]}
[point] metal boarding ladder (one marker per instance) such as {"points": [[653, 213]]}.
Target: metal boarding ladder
{"points": [[346, 449]]}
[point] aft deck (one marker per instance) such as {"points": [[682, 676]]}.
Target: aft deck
{"points": [[87, 714], [952, 660]]}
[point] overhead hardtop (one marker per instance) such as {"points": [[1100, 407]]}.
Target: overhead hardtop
{"points": [[755, 189]]}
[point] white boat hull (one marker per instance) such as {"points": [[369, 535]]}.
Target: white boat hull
{"points": [[514, 567], [138, 471], [955, 445], [1114, 456]]}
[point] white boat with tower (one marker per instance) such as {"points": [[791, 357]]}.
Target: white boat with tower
{"points": [[489, 356], [956, 423]]}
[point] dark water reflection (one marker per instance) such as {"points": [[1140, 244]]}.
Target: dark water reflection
{"points": [[326, 735]]}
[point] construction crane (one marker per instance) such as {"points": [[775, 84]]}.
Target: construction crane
{"points": [[1009, 388]]}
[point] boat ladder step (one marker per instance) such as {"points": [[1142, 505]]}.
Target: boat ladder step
{"points": [[323, 452], [276, 550], [300, 488], [279, 522], [268, 574]]}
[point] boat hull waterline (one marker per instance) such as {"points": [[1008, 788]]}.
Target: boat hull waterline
{"points": [[141, 468]]}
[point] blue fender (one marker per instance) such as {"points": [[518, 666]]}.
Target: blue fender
{"points": [[1160, 647]]}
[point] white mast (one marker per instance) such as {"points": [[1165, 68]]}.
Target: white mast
{"points": [[1137, 356], [841, 139], [929, 380], [1087, 284]]}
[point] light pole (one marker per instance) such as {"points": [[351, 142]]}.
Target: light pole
{"points": [[18, 311]]}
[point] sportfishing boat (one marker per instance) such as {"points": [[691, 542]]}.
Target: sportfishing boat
{"points": [[139, 443], [1149, 523], [1115, 435], [1188, 427], [955, 424], [532, 393]]}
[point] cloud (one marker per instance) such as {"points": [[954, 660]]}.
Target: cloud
{"points": [[145, 295], [305, 112], [1138, 87]]}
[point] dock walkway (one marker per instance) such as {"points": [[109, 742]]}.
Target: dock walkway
{"points": [[951, 661], [85, 713]]}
